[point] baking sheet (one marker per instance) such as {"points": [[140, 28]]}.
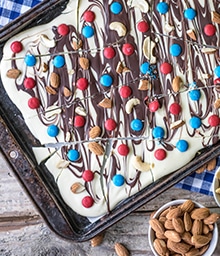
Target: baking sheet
{"points": [[17, 142]]}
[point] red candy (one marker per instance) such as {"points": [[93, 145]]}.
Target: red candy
{"points": [[16, 46], [82, 84], [160, 154], [63, 29], [154, 106], [110, 124], [143, 26], [175, 108], [79, 121], [29, 83], [89, 16], [214, 120], [87, 201], [33, 103], [166, 68], [217, 81], [209, 29], [123, 150], [88, 175], [128, 49], [109, 52], [125, 91]]}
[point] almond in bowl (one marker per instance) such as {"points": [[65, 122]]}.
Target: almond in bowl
{"points": [[216, 187], [183, 227]]}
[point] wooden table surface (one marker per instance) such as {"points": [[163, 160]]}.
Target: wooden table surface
{"points": [[24, 232]]}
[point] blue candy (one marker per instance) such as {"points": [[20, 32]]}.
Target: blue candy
{"points": [[30, 60], [162, 7], [88, 31], [190, 14], [158, 132], [217, 71], [194, 95], [195, 122], [58, 61], [145, 68], [136, 125], [52, 130], [118, 180], [182, 145], [116, 8], [73, 155], [106, 80], [175, 50]]}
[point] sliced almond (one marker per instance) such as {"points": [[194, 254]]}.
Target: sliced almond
{"points": [[77, 44], [62, 164], [215, 17], [120, 67], [51, 90], [177, 124], [77, 188], [144, 85], [217, 104], [105, 103], [191, 33], [67, 92], [207, 50]]}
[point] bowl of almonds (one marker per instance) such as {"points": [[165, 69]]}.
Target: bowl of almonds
{"points": [[216, 187], [183, 227]]}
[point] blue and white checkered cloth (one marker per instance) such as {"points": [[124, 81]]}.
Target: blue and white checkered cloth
{"points": [[202, 183]]}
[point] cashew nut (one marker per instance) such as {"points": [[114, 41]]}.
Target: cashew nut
{"points": [[119, 28], [62, 164], [80, 111], [140, 165], [130, 104], [148, 47], [50, 43], [168, 28], [142, 5]]}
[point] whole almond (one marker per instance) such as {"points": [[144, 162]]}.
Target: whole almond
{"points": [[174, 213], [95, 132], [193, 252], [203, 249], [201, 169], [144, 85], [164, 213], [178, 225], [162, 219], [160, 247], [105, 103], [215, 17], [13, 73], [200, 213], [157, 226], [197, 227], [51, 90], [84, 63], [121, 250], [77, 188], [180, 247], [77, 44], [67, 92], [212, 218], [160, 236], [208, 50], [217, 103], [191, 33], [186, 237], [211, 165], [172, 235], [96, 148], [187, 221], [200, 240], [205, 229], [54, 80], [168, 224], [176, 83], [97, 240], [187, 206]]}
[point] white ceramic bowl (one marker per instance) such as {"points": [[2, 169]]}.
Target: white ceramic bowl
{"points": [[151, 234], [215, 185]]}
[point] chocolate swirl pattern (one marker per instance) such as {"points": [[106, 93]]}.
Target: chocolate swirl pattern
{"points": [[133, 70]]}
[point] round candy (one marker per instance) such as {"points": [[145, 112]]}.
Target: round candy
{"points": [[16, 47], [160, 154], [87, 201], [162, 7], [145, 67], [128, 49], [194, 95], [53, 130], [73, 155], [154, 106], [182, 145], [33, 103], [209, 29], [110, 124], [136, 125], [217, 81], [88, 31], [89, 16], [166, 68], [118, 180], [175, 50], [125, 91], [214, 120], [63, 29], [88, 175], [195, 122], [82, 84], [123, 150], [29, 83], [30, 60], [79, 121], [158, 132], [190, 14], [109, 52], [217, 71], [116, 7], [143, 26], [175, 108], [58, 61], [106, 80]]}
